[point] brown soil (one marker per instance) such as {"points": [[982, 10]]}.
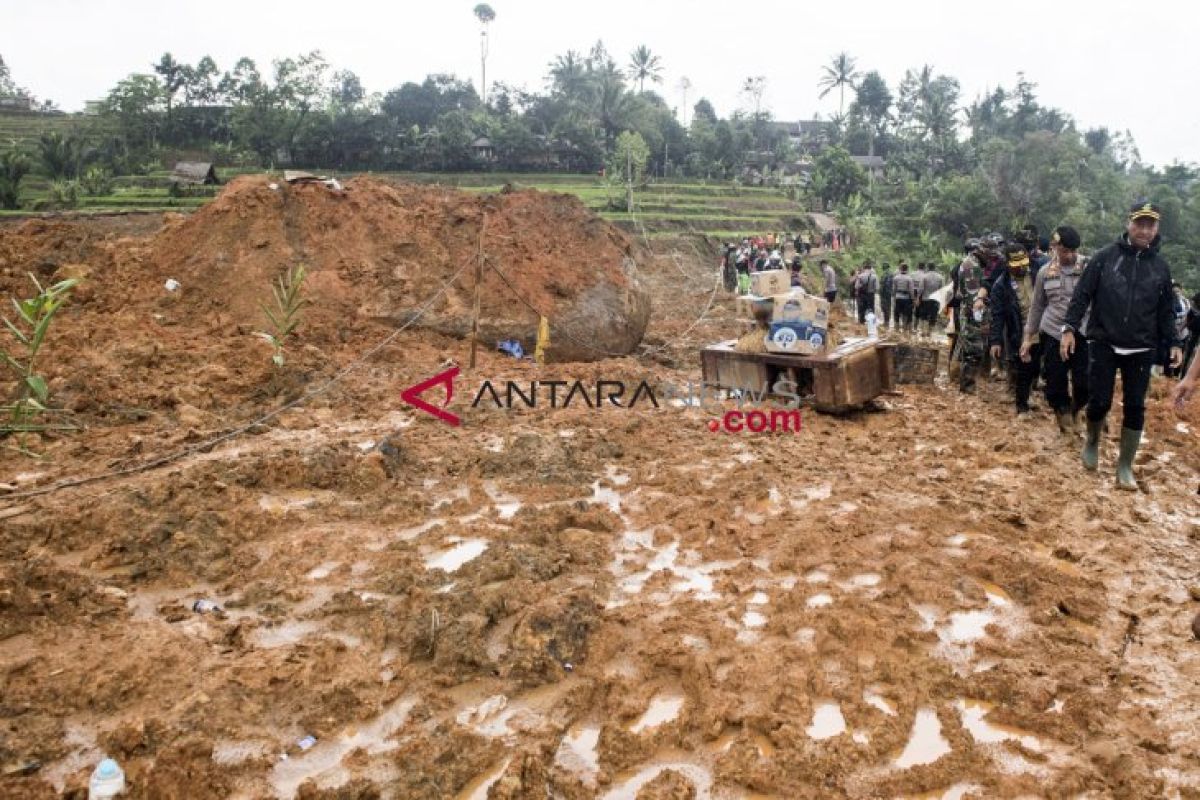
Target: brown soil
{"points": [[668, 613]]}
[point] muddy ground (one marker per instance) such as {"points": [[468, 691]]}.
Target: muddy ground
{"points": [[924, 599]]}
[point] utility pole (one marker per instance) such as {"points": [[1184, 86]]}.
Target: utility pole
{"points": [[666, 157]]}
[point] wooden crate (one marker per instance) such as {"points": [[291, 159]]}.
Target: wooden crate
{"points": [[842, 380]]}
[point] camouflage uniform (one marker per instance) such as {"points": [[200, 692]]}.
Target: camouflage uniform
{"points": [[972, 339]]}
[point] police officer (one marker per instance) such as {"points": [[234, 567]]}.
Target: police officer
{"points": [[1127, 287], [886, 287], [1053, 287], [902, 291]]}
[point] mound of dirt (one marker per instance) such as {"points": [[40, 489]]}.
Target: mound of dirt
{"points": [[380, 250]]}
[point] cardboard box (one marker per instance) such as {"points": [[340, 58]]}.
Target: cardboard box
{"points": [[770, 282], [744, 305], [799, 324]]}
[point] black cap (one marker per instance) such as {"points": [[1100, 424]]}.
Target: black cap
{"points": [[1066, 236], [1144, 208]]}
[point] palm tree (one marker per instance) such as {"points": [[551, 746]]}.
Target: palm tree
{"points": [[485, 14], [838, 74], [569, 76], [642, 65]]}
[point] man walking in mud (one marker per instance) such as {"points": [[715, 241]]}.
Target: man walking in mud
{"points": [[1012, 299], [1052, 291], [830, 277], [1127, 289], [975, 318]]}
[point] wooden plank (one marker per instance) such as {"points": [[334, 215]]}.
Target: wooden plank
{"points": [[862, 377], [887, 367]]}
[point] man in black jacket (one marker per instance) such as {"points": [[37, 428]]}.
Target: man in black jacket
{"points": [[1127, 286], [1012, 297]]}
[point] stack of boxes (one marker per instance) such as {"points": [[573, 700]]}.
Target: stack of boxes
{"points": [[799, 322]]}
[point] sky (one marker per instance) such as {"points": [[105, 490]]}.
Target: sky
{"points": [[1120, 65]]}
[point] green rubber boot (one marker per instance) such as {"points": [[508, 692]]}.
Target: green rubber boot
{"points": [[1130, 439], [1091, 447]]}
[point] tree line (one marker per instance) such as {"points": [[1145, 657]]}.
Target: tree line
{"points": [[953, 167]]}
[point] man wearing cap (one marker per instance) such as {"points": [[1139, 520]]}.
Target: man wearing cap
{"points": [[1053, 287], [1012, 299], [1127, 287]]}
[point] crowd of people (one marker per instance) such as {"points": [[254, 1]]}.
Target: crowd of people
{"points": [[1035, 310], [1044, 312]]}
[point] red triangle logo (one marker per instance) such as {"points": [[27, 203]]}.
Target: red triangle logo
{"points": [[412, 396]]}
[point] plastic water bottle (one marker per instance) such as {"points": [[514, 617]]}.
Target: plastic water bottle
{"points": [[108, 780], [872, 327]]}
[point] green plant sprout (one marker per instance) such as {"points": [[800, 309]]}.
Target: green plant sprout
{"points": [[285, 316], [32, 395]]}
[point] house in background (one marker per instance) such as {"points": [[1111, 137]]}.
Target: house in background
{"points": [[195, 173], [873, 165]]}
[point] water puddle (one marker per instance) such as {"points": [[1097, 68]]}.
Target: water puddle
{"points": [[753, 619], [231, 752], [827, 722], [1061, 564], [926, 743], [454, 558], [817, 576], [325, 758], [606, 496], [996, 595], [861, 737], [478, 788], [811, 494], [929, 616], [872, 698], [864, 581], [506, 505], [692, 576], [577, 753], [615, 477], [805, 636], [663, 709], [758, 599], [292, 632], [974, 713], [628, 785], [1056, 707], [967, 626], [408, 534], [322, 571], [497, 716], [819, 601], [461, 493], [292, 501]]}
